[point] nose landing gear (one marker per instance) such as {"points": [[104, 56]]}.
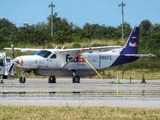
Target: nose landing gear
{"points": [[22, 79]]}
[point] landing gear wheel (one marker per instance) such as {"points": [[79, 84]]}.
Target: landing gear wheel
{"points": [[76, 79], [22, 80], [52, 79]]}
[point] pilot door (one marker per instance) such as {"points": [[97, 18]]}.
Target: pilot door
{"points": [[52, 61]]}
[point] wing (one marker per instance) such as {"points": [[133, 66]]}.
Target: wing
{"points": [[27, 49], [24, 49], [70, 51], [90, 49]]}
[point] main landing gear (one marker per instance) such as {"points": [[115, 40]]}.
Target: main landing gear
{"points": [[52, 79], [76, 79]]}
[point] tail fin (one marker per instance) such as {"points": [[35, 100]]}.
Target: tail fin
{"points": [[131, 46]]}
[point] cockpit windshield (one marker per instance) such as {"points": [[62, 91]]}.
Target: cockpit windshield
{"points": [[43, 53]]}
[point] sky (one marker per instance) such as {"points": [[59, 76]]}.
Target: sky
{"points": [[79, 12]]}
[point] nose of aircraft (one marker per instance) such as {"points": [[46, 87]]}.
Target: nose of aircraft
{"points": [[28, 61], [20, 60], [17, 60]]}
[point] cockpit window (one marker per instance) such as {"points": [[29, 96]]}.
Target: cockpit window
{"points": [[43, 53], [54, 56]]}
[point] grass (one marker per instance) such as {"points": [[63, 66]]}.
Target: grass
{"points": [[77, 113], [135, 74]]}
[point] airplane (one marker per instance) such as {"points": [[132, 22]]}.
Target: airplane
{"points": [[77, 62]]}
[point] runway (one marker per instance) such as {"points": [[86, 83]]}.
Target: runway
{"points": [[89, 92]]}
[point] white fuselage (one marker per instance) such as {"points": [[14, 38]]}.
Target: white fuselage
{"points": [[99, 60]]}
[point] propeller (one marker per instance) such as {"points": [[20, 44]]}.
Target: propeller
{"points": [[14, 61]]}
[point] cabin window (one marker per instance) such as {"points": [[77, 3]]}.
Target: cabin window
{"points": [[54, 56]]}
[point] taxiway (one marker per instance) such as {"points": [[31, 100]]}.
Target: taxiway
{"points": [[90, 92]]}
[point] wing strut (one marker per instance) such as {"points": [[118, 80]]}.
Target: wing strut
{"points": [[92, 66]]}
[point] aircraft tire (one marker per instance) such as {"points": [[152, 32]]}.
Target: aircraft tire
{"points": [[52, 79], [22, 80], [76, 79]]}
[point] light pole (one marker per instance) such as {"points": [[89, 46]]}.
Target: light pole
{"points": [[52, 6], [122, 17]]}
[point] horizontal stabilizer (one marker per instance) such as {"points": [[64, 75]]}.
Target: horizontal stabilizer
{"points": [[140, 55]]}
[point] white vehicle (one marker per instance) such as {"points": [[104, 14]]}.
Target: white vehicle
{"points": [[5, 65], [77, 62]]}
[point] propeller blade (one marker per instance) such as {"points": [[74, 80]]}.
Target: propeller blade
{"points": [[13, 52], [10, 69]]}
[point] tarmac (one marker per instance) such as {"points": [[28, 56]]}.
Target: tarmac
{"points": [[89, 92]]}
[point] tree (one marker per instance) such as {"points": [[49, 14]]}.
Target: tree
{"points": [[127, 29], [112, 33], [7, 32], [145, 26]]}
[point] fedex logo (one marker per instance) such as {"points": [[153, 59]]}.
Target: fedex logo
{"points": [[79, 58], [133, 44]]}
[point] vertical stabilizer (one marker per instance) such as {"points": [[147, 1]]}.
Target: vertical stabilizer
{"points": [[132, 43]]}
